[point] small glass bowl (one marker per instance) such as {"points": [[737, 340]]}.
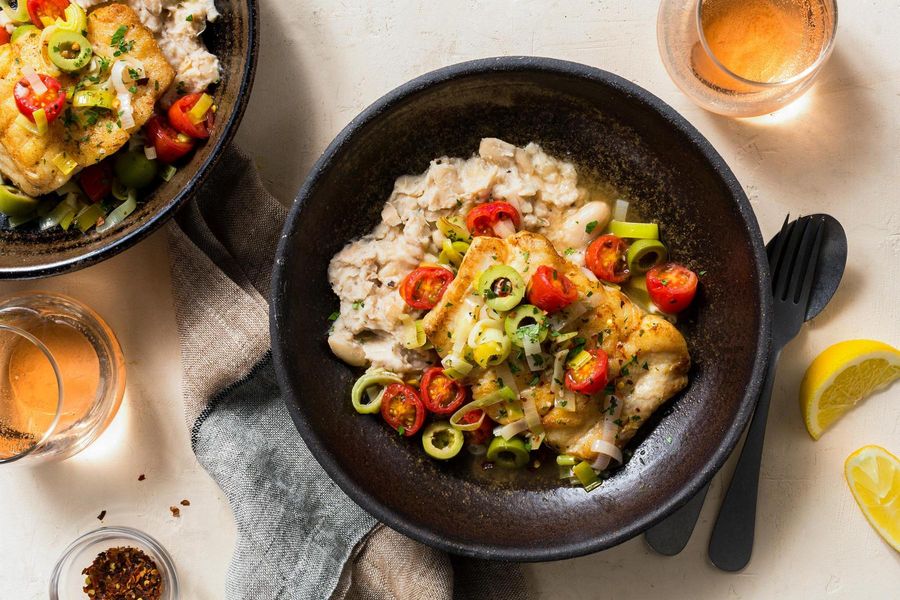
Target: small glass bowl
{"points": [[67, 581]]}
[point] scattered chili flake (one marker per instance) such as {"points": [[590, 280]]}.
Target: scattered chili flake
{"points": [[176, 512], [141, 477], [122, 572], [185, 502], [102, 515]]}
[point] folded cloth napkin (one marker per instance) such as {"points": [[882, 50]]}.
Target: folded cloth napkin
{"points": [[298, 535]]}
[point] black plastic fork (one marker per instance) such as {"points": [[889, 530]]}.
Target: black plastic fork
{"points": [[792, 262]]}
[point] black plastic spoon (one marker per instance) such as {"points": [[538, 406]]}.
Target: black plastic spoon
{"points": [[671, 535]]}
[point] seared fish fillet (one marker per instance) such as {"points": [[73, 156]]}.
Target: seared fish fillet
{"points": [[648, 356], [86, 136]]}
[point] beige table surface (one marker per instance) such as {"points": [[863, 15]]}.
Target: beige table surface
{"points": [[321, 62]]}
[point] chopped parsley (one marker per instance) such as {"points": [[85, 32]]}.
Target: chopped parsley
{"points": [[569, 251], [645, 366], [400, 430], [189, 18], [701, 273], [534, 381], [358, 304], [118, 41], [334, 316], [635, 417], [590, 227], [119, 36]]}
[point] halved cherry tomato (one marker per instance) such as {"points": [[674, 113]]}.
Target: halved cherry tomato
{"points": [[170, 145], [402, 409], [591, 377], [550, 290], [422, 288], [4, 36], [672, 287], [440, 394], [482, 218], [482, 435], [38, 10], [96, 181], [606, 258], [52, 101], [180, 120]]}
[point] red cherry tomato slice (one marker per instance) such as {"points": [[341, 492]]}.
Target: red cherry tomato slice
{"points": [[169, 144], [4, 36], [606, 258], [52, 101], [181, 121], [96, 181], [38, 10], [402, 409], [482, 218], [422, 289], [591, 377], [485, 431], [672, 287], [440, 394], [550, 290]]}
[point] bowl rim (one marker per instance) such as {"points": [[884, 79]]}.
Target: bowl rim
{"points": [[185, 194], [561, 549], [108, 533]]}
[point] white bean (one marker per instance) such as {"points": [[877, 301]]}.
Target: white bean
{"points": [[346, 348], [574, 232]]}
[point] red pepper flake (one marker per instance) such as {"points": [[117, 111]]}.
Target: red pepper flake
{"points": [[102, 515], [141, 477], [185, 502], [122, 573], [176, 512]]}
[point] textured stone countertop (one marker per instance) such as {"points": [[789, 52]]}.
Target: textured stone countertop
{"points": [[321, 62]]}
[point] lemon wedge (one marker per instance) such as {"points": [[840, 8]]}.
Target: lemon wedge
{"points": [[873, 475], [841, 376]]}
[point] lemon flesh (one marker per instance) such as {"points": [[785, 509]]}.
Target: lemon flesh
{"points": [[841, 376], [873, 475]]}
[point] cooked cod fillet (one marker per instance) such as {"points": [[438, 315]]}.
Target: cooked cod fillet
{"points": [[84, 135], [648, 356]]}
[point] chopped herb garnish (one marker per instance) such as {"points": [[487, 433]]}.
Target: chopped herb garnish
{"points": [[358, 304], [635, 417], [334, 316], [189, 18], [590, 227], [645, 366], [569, 251], [701, 273], [534, 380], [119, 36], [400, 430]]}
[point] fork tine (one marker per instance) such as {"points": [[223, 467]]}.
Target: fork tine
{"points": [[788, 261], [774, 251], [778, 255], [801, 284]]}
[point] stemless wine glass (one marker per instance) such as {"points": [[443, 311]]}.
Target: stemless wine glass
{"points": [[62, 377], [744, 58]]}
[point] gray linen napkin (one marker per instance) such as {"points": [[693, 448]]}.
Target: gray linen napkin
{"points": [[298, 535]]}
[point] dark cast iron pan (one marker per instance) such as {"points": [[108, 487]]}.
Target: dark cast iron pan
{"points": [[613, 131], [234, 37]]}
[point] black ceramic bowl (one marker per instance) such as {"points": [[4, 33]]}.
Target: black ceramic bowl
{"points": [[28, 253], [612, 130]]}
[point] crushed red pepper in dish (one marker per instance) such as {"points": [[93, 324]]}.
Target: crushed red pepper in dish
{"points": [[123, 573]]}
